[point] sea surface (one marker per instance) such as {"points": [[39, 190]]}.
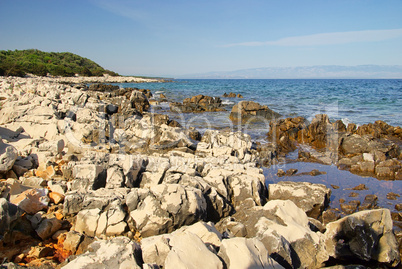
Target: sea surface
{"points": [[360, 101]]}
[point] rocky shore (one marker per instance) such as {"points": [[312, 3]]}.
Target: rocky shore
{"points": [[104, 79], [371, 149], [91, 178]]}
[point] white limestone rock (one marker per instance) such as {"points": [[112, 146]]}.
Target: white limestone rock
{"points": [[189, 252], [119, 252], [366, 235], [166, 207], [312, 198], [246, 253]]}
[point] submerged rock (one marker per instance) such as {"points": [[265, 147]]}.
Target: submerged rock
{"points": [[249, 110], [198, 103], [232, 95]]}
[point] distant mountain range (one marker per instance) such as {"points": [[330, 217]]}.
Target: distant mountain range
{"points": [[307, 72]]}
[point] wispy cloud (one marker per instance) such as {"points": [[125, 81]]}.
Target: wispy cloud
{"points": [[335, 38], [123, 8]]}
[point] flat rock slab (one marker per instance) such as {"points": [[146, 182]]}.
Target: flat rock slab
{"points": [[312, 198], [119, 252]]}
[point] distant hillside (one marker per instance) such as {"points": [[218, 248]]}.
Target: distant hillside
{"points": [[21, 62], [307, 72]]}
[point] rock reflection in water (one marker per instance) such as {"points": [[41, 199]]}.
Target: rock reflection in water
{"points": [[344, 179]]}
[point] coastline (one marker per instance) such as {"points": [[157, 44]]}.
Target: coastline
{"points": [[123, 174], [103, 79]]}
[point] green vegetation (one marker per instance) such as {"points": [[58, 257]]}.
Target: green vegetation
{"points": [[21, 62]]}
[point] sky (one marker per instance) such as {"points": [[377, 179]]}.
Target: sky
{"points": [[178, 37]]}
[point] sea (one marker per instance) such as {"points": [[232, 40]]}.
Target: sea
{"points": [[358, 101]]}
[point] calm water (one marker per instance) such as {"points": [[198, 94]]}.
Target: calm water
{"points": [[358, 101], [343, 179]]}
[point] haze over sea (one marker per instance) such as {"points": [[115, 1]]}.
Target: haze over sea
{"points": [[360, 101]]}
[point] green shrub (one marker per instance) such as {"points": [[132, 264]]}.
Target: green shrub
{"points": [[21, 62]]}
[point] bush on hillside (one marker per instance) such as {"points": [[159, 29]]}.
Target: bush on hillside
{"points": [[21, 62]]}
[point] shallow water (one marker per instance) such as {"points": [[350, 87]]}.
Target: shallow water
{"points": [[344, 179]]}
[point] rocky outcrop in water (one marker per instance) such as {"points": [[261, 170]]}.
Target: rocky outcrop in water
{"points": [[248, 110], [232, 95], [372, 149], [197, 104]]}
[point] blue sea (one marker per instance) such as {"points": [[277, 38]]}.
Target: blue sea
{"points": [[360, 101]]}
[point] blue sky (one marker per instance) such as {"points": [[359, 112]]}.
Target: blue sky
{"points": [[176, 37]]}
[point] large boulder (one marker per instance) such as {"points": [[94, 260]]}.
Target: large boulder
{"points": [[248, 110], [165, 207], [110, 221], [229, 144], [312, 198], [198, 103], [204, 236], [366, 235], [354, 144], [75, 201], [285, 132], [139, 101], [284, 230], [145, 134], [237, 186], [189, 251], [32, 200], [88, 177], [47, 225], [379, 129], [246, 253], [119, 252], [218, 206], [322, 134]]}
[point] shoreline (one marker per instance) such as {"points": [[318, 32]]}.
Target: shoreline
{"points": [[103, 79], [97, 166]]}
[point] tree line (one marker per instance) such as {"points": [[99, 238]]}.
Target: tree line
{"points": [[33, 61]]}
